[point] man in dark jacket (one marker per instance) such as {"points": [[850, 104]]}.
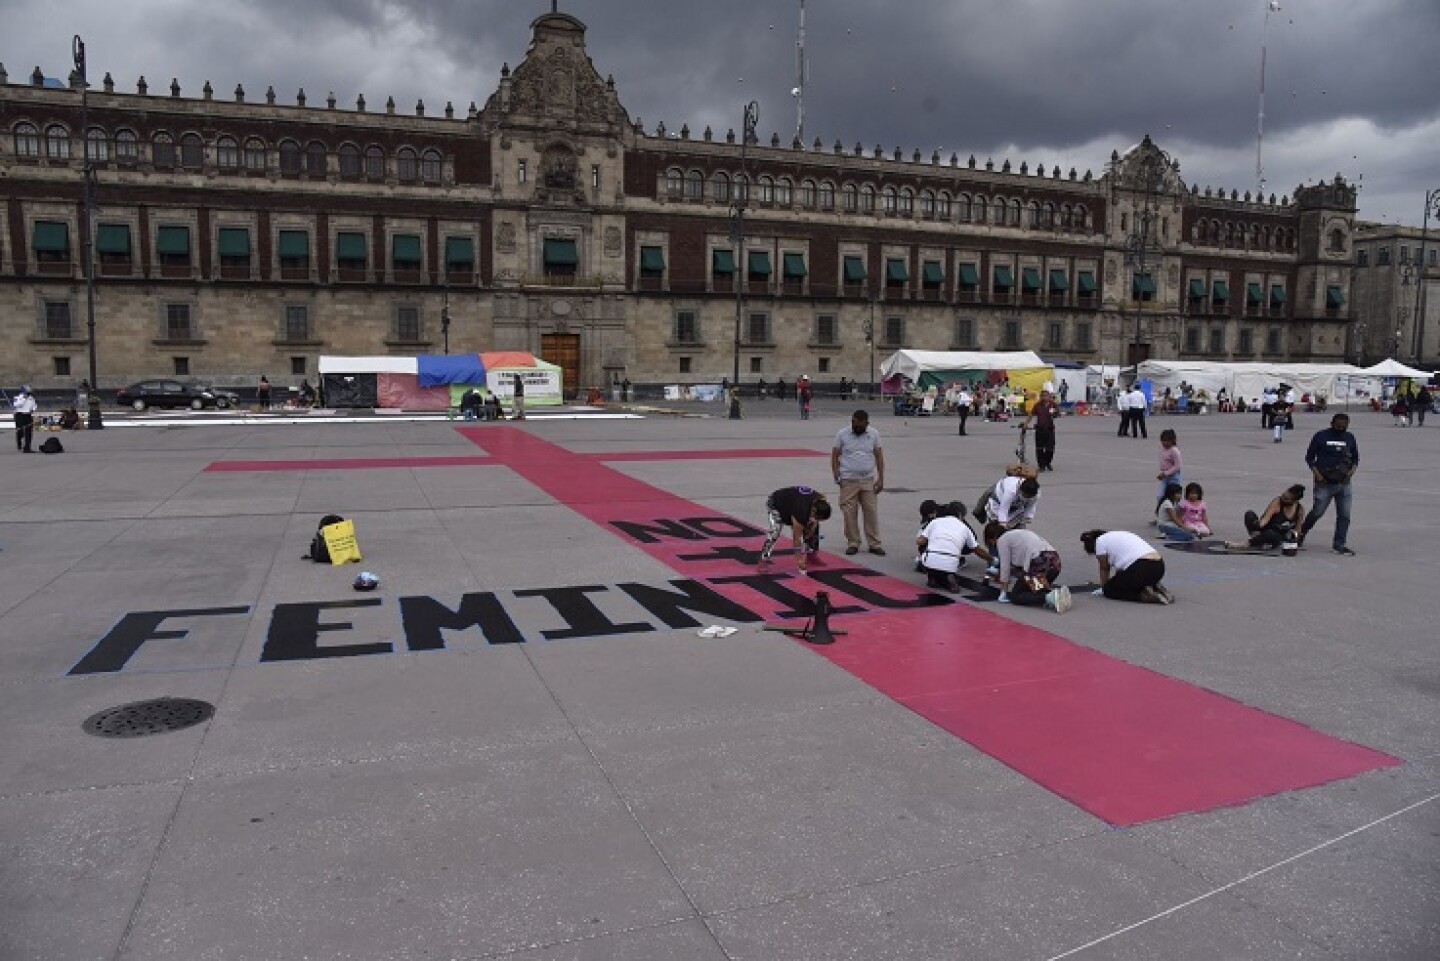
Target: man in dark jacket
{"points": [[1333, 457]]}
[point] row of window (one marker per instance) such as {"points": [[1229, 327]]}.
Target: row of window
{"points": [[820, 195], [228, 153], [1382, 256], [1233, 236]]}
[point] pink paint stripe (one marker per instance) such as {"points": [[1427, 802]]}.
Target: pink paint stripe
{"points": [[1122, 742], [356, 463]]}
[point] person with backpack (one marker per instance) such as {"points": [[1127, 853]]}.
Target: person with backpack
{"points": [[24, 406]]}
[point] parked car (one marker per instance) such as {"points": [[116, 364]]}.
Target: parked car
{"points": [[223, 398], [167, 393]]}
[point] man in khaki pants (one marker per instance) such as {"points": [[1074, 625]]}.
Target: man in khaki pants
{"points": [[858, 463]]}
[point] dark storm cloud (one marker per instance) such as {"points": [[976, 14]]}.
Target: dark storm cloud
{"points": [[1350, 85]]}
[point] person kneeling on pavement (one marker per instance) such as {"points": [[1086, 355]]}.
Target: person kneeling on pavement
{"points": [[943, 544], [802, 509], [1025, 566], [1130, 569]]}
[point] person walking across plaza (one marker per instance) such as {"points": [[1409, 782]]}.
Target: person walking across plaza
{"points": [[1122, 405], [1130, 569], [1042, 415], [518, 397], [23, 404], [1421, 406], [1138, 404], [801, 509], [262, 392], [1333, 456], [963, 400], [1172, 469], [857, 461], [804, 393]]}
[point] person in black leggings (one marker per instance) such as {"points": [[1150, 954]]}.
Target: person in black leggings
{"points": [[1130, 569]]}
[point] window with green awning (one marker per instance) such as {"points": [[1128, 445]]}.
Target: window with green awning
{"points": [[854, 270], [1085, 282], [895, 271], [459, 252], [1277, 294], [1334, 296], [1059, 281], [350, 246], [723, 262], [294, 243], [794, 266], [560, 252], [1253, 294], [112, 239], [405, 250], [932, 272], [173, 242], [652, 260], [234, 242], [1197, 288], [1030, 280], [51, 237], [1220, 292], [758, 263], [1142, 286], [1004, 279], [969, 275]]}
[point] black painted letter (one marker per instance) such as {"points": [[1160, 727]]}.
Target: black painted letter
{"points": [[584, 618], [114, 650], [424, 618], [295, 632], [670, 606]]}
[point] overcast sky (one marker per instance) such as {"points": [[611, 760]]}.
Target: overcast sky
{"points": [[1352, 86]]}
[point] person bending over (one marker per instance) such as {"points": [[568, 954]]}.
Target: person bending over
{"points": [[943, 544], [801, 509], [1130, 569], [1013, 502], [1028, 567]]}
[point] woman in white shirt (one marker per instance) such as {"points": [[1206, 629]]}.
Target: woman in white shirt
{"points": [[1130, 569], [943, 544]]}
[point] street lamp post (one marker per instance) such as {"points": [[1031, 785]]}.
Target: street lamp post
{"points": [[77, 49], [1402, 307], [445, 319], [1432, 205], [1150, 176], [870, 341], [740, 195]]}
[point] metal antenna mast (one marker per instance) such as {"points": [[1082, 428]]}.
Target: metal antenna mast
{"points": [[801, 70], [1271, 6]]}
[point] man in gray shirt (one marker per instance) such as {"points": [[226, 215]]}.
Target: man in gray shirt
{"points": [[858, 463]]}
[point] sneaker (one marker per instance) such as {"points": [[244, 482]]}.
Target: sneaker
{"points": [[1343, 551], [1164, 593], [880, 551], [853, 549], [1063, 601], [1149, 595], [1004, 598]]}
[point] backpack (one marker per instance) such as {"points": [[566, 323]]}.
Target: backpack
{"points": [[319, 553], [52, 445]]}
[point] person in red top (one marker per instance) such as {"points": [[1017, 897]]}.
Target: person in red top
{"points": [[1042, 415], [803, 393]]}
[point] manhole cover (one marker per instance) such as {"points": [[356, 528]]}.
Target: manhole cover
{"points": [[143, 718]]}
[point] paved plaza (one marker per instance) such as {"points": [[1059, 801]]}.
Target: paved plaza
{"points": [[520, 746]]}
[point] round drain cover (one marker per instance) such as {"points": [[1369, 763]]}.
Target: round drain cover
{"points": [[143, 718]]}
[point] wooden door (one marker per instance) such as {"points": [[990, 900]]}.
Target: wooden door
{"points": [[1137, 353], [564, 351]]}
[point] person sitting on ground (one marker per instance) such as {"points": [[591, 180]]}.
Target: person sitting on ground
{"points": [[1281, 521], [1196, 518], [1026, 568], [1170, 516], [1130, 569], [1240, 407], [1013, 502], [802, 509], [943, 544], [69, 418]]}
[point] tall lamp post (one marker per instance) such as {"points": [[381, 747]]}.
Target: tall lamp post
{"points": [[869, 329], [1149, 175], [1432, 206], [445, 319], [740, 198], [77, 49], [1402, 307]]}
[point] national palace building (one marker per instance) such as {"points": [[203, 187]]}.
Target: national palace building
{"points": [[234, 236]]}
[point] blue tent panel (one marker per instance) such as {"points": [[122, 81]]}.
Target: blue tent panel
{"points": [[436, 369]]}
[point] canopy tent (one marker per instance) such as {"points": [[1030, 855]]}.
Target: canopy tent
{"points": [[1244, 379], [436, 381], [1393, 368], [1023, 368]]}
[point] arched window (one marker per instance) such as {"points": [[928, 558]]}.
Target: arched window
{"points": [[407, 164], [227, 153], [1047, 216], [349, 160], [962, 208], [827, 195], [290, 157], [942, 206], [27, 140], [162, 150], [849, 198], [742, 188], [674, 182], [979, 213], [907, 202], [374, 162], [127, 147], [57, 142], [1082, 217], [1067, 217], [867, 199], [807, 193], [315, 156], [784, 191], [1014, 213], [97, 146], [695, 185], [255, 155], [927, 204], [192, 151], [1231, 239], [720, 186], [1032, 214], [767, 189], [888, 200], [430, 166]]}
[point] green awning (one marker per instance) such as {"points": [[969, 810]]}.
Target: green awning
{"points": [[969, 275], [234, 242], [794, 265], [758, 263], [1220, 291], [1004, 279], [652, 260], [1277, 294], [1197, 288], [294, 243], [1085, 282], [895, 271], [459, 252], [932, 272], [1253, 294], [1142, 284], [350, 246], [173, 241], [1334, 296], [405, 248], [723, 262], [560, 252], [1059, 281], [113, 239], [854, 270], [1030, 279], [51, 237]]}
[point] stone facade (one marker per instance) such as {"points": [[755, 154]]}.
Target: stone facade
{"points": [[1397, 279], [257, 236]]}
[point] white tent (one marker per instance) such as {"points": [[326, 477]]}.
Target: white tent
{"points": [[910, 364], [1245, 380], [1393, 368]]}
